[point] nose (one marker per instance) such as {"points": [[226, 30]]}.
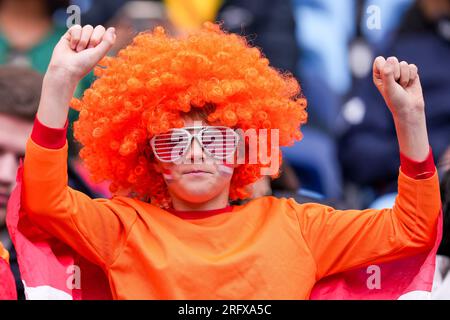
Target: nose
{"points": [[195, 152], [8, 168]]}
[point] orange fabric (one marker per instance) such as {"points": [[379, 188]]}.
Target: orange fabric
{"points": [[267, 249]]}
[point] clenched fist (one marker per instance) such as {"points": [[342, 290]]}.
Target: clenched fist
{"points": [[80, 49], [399, 84]]}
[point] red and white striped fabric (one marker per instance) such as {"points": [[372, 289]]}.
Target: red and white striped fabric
{"points": [[49, 268], [410, 278], [48, 272]]}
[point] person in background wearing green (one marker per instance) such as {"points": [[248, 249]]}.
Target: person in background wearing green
{"points": [[28, 35]]}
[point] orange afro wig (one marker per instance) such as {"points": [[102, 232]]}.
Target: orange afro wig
{"points": [[148, 87]]}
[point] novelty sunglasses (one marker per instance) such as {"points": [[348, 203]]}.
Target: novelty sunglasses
{"points": [[216, 141]]}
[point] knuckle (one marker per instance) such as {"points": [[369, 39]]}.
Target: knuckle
{"points": [[75, 27], [386, 71]]}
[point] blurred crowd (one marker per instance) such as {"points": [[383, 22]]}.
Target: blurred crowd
{"points": [[349, 155]]}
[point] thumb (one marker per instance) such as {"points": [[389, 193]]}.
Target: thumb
{"points": [[107, 42], [378, 64]]}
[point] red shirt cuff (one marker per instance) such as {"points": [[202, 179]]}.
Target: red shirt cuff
{"points": [[418, 169], [50, 138]]}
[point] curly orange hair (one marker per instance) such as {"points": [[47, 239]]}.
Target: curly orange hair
{"points": [[148, 87]]}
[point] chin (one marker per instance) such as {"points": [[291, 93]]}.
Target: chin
{"points": [[196, 196]]}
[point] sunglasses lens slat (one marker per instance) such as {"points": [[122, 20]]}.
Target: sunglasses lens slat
{"points": [[170, 146], [220, 142]]}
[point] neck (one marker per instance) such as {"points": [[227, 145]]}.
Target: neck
{"points": [[218, 202]]}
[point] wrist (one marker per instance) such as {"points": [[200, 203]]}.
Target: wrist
{"points": [[412, 135], [57, 76], [409, 117], [58, 88]]}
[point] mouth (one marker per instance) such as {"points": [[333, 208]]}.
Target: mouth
{"points": [[196, 172]]}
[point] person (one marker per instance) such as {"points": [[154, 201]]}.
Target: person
{"points": [[148, 125], [28, 33], [19, 92]]}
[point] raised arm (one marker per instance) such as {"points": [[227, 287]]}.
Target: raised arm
{"points": [[95, 228], [343, 239]]}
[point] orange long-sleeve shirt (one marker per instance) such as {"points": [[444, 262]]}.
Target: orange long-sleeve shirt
{"points": [[268, 248]]}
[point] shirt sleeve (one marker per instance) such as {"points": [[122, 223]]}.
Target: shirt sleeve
{"points": [[340, 240], [418, 169], [96, 228]]}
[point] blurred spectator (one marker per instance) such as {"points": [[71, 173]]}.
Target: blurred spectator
{"points": [[391, 14], [314, 159], [28, 35], [138, 16], [324, 30], [20, 90], [368, 147], [27, 32], [329, 34], [268, 24]]}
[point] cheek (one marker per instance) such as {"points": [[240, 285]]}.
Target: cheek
{"points": [[225, 170], [168, 175]]}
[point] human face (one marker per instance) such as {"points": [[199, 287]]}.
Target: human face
{"points": [[14, 133], [197, 178]]}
